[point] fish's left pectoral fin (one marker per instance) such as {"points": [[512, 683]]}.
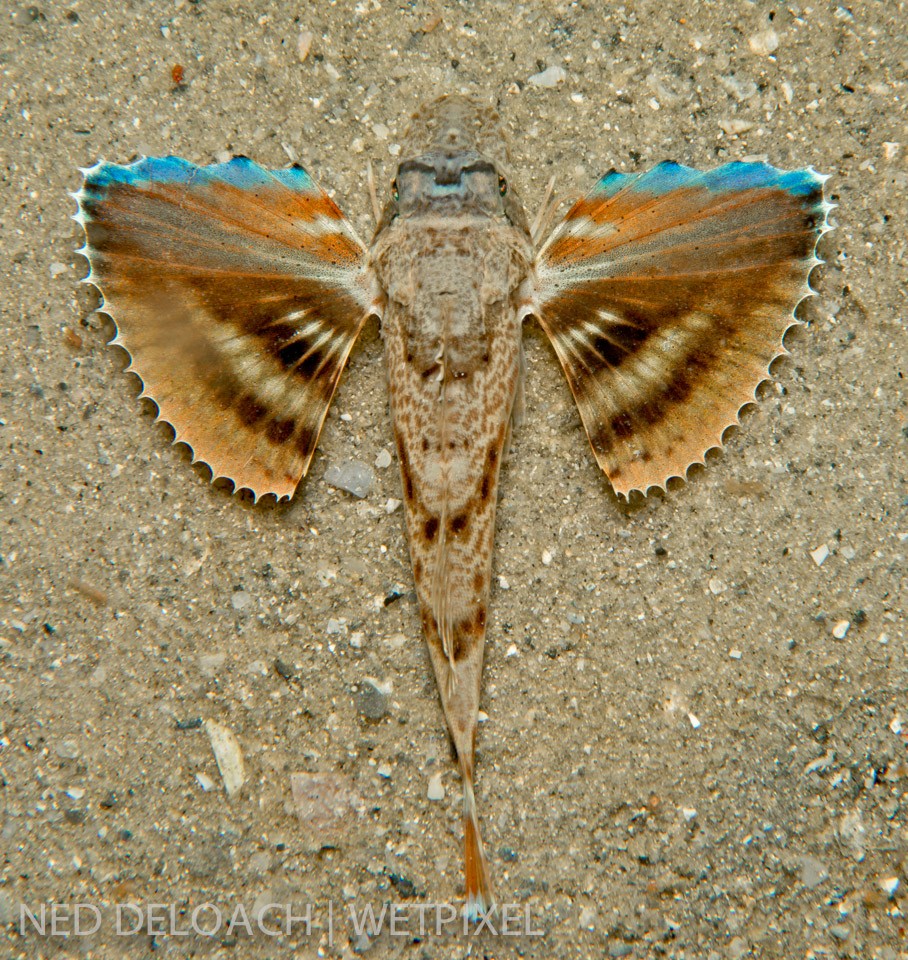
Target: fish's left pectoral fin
{"points": [[666, 296], [238, 293]]}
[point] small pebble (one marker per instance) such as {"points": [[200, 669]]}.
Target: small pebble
{"points": [[694, 722], [812, 872], [336, 628], [764, 43], [895, 724], [588, 918], [383, 460], [735, 654], [716, 587], [392, 505], [372, 700], [75, 792], [384, 771], [511, 651], [354, 476], [67, 750], [820, 554], [890, 150], [689, 813], [240, 600], [548, 78], [381, 131], [436, 790], [284, 670], [504, 583], [547, 557], [56, 268], [840, 630]]}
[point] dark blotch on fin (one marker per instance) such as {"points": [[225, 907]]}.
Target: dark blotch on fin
{"points": [[280, 431]]}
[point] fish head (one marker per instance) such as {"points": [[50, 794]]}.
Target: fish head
{"points": [[454, 161]]}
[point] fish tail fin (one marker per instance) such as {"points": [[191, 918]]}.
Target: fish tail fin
{"points": [[476, 867]]}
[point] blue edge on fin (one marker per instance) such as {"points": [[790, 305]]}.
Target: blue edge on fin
{"points": [[240, 172], [730, 177]]}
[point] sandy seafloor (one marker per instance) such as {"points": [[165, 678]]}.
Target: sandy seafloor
{"points": [[776, 827]]}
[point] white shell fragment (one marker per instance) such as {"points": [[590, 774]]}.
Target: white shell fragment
{"points": [[436, 789], [205, 782], [228, 755], [304, 44], [889, 886], [820, 554], [351, 475], [840, 629], [548, 78], [735, 126], [764, 43]]}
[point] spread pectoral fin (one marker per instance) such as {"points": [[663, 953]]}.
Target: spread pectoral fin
{"points": [[666, 296], [238, 293]]}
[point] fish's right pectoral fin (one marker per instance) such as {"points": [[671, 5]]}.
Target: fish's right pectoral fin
{"points": [[238, 293]]}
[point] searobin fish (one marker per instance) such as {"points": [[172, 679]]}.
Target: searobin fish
{"points": [[239, 293]]}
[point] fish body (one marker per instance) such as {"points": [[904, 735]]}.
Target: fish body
{"points": [[453, 269], [239, 293]]}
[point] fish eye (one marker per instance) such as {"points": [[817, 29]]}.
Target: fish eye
{"points": [[395, 193], [502, 186]]}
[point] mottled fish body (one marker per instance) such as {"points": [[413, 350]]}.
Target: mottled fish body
{"points": [[454, 269]]}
